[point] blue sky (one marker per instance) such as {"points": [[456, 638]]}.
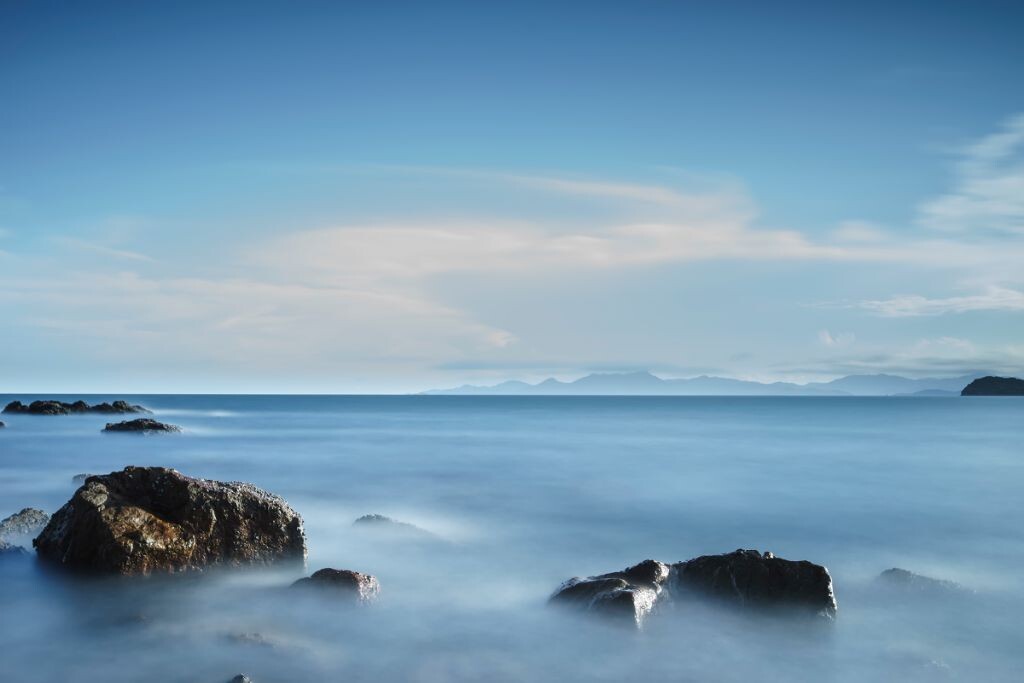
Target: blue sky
{"points": [[392, 196]]}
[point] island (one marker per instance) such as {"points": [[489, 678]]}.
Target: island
{"points": [[994, 386]]}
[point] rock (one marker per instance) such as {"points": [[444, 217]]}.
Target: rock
{"points": [[28, 522], [629, 594], [381, 522], [994, 386], [145, 520], [240, 678], [8, 551], [748, 578], [910, 582], [142, 425], [362, 587], [2, 425], [61, 408]]}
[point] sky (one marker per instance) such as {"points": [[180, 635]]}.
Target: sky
{"points": [[393, 196]]}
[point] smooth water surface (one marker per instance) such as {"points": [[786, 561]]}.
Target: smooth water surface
{"points": [[522, 493]]}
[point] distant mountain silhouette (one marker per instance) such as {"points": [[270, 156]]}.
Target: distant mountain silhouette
{"points": [[995, 386], [647, 384]]}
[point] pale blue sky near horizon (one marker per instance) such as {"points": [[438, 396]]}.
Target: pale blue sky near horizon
{"points": [[347, 197]]}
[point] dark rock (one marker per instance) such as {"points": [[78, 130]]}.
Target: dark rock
{"points": [[28, 522], [240, 678], [145, 520], [629, 594], [910, 582], [61, 408], [143, 425], [748, 578], [362, 587], [994, 386], [2, 425]]}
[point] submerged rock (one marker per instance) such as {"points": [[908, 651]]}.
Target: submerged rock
{"points": [[748, 578], [910, 582], [145, 520], [28, 522], [629, 594], [142, 424], [362, 587], [61, 408], [384, 523]]}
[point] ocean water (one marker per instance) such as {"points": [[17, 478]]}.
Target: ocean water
{"points": [[521, 493]]}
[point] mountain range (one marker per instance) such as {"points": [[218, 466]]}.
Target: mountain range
{"points": [[647, 384]]}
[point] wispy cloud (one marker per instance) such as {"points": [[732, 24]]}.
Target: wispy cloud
{"points": [[83, 245], [989, 192], [993, 299]]}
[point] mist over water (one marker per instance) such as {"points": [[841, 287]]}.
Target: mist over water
{"points": [[521, 493]]}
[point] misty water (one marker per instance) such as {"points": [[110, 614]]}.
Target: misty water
{"points": [[521, 493]]}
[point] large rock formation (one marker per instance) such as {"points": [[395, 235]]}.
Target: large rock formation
{"points": [[342, 582], [748, 578], [145, 520], [142, 425], [994, 386], [61, 408], [28, 522], [628, 595]]}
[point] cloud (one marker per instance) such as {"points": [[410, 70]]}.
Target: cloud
{"points": [[989, 192], [993, 299], [836, 340]]}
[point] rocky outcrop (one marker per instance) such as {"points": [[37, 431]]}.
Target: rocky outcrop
{"points": [[142, 425], [744, 578], [342, 582], [28, 522], [628, 595], [145, 520], [908, 582], [751, 579], [994, 386], [78, 407]]}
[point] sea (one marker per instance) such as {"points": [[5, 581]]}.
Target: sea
{"points": [[510, 496]]}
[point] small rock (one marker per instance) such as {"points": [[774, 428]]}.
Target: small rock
{"points": [[748, 578], [240, 678], [384, 523], [362, 587], [629, 594], [28, 522], [2, 425], [143, 520], [915, 583], [143, 425], [8, 551]]}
